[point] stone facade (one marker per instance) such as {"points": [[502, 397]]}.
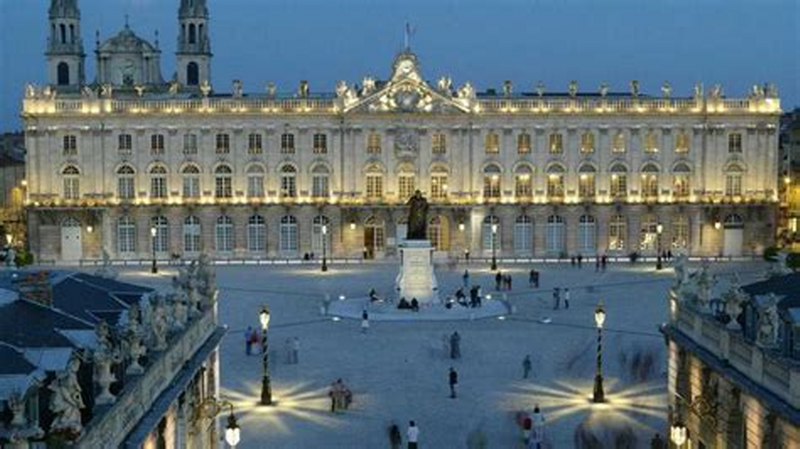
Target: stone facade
{"points": [[551, 169]]}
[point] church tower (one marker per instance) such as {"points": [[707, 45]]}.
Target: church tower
{"points": [[194, 45], [65, 56]]}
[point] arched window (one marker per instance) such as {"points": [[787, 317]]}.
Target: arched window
{"points": [[288, 181], [224, 234], [161, 237], [158, 182], [586, 181], [191, 181], [255, 181], [733, 180], [191, 235], [126, 235], [586, 235], [491, 234], [555, 236], [406, 182], [733, 221], [72, 34], [491, 181], [374, 182], [619, 181], [617, 233], [680, 232], [439, 182], [256, 234], [126, 186], [648, 237], [317, 236], [439, 233], [223, 182], [523, 235], [192, 34], [523, 182], [192, 74], [555, 181], [288, 235], [320, 177], [72, 186], [62, 75], [649, 185], [680, 183]]}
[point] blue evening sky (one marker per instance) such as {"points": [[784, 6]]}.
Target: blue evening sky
{"points": [[732, 42]]}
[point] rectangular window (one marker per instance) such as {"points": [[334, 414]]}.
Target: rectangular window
{"points": [[288, 186], [491, 186], [70, 145], [191, 187], [524, 186], [157, 144], [734, 143], [320, 143], [374, 186], [319, 186], [374, 143], [492, 143], [126, 242], [555, 186], [682, 143], [586, 186], [587, 143], [254, 144], [255, 186], [405, 186], [190, 143], [523, 143], [651, 143], [72, 188], [158, 187], [223, 143], [223, 187], [125, 144], [125, 188], [439, 143], [287, 143], [618, 144], [733, 184], [650, 187], [681, 186], [556, 143], [439, 186], [619, 186]]}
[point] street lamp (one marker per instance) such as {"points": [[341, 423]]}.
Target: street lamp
{"points": [[659, 230], [232, 431], [677, 434], [717, 225], [153, 232], [599, 319], [266, 389], [9, 239], [494, 247], [324, 247]]}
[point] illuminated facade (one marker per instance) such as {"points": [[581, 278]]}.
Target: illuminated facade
{"points": [[257, 175]]}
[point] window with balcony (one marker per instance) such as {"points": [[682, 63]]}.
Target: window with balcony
{"points": [[320, 180], [255, 181], [680, 185], [405, 185], [555, 182], [586, 182], [439, 183], [288, 181], [619, 182], [523, 182], [191, 181], [649, 185], [158, 182], [126, 187]]}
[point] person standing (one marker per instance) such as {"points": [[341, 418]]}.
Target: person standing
{"points": [[412, 435], [466, 279], [566, 298], [364, 321], [556, 298], [455, 346], [580, 260], [453, 380], [527, 365], [531, 277], [498, 279], [597, 264], [395, 439], [248, 343], [296, 350], [537, 436]]}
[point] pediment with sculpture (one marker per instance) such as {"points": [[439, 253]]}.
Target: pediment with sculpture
{"points": [[405, 92]]}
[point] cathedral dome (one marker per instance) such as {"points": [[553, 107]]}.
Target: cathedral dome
{"points": [[126, 41], [128, 60]]}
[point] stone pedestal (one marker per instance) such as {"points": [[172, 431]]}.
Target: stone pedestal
{"points": [[416, 278]]}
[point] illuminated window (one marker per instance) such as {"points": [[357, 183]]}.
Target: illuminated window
{"points": [[733, 180], [523, 182], [438, 143], [374, 182], [682, 143], [374, 143], [126, 183], [617, 233], [618, 143], [648, 237], [223, 182], [492, 143], [680, 184], [160, 241], [680, 232], [649, 185], [587, 143], [158, 182], [619, 181], [556, 143], [491, 181], [555, 182], [523, 143], [405, 185], [586, 182], [650, 142], [438, 183]]}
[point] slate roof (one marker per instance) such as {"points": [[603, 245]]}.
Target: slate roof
{"points": [[14, 363], [24, 324], [787, 286]]}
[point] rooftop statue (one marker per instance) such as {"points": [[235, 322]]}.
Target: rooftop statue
{"points": [[417, 217]]}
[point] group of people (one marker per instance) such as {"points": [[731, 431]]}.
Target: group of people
{"points": [[532, 425], [412, 436], [502, 281], [251, 337], [576, 260], [292, 350], [461, 298], [341, 396], [600, 263], [405, 305], [558, 296]]}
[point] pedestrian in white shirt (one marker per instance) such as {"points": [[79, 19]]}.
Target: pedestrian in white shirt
{"points": [[412, 435]]}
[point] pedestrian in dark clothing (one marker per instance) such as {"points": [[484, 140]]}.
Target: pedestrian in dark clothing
{"points": [[556, 298], [466, 278], [566, 298], [395, 439], [657, 442], [455, 346], [572, 261], [527, 365], [580, 260], [414, 305], [498, 279], [604, 262], [597, 264], [530, 277], [453, 379], [509, 282], [536, 279], [248, 342], [669, 254]]}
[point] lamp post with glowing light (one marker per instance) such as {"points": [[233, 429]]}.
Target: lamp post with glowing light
{"points": [[153, 232], [599, 318], [659, 230], [678, 435], [324, 247], [266, 389], [494, 247], [232, 431]]}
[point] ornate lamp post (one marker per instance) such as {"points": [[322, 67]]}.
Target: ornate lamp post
{"points": [[494, 247], [599, 319], [659, 230], [153, 232], [677, 433], [324, 247], [232, 431], [211, 408], [266, 389]]}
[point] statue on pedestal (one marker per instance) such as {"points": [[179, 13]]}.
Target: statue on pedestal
{"points": [[104, 356], [734, 299], [133, 347], [159, 326], [417, 217], [66, 401], [768, 323]]}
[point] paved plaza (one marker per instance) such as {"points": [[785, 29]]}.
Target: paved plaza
{"points": [[398, 370]]}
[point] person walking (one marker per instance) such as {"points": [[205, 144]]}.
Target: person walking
{"points": [[657, 442], [597, 264], [395, 439], [498, 279], [508, 281], [531, 277], [287, 349], [455, 346], [566, 298], [465, 277], [364, 321], [527, 365], [556, 298], [580, 261], [248, 343], [296, 350], [453, 380], [537, 435], [412, 435]]}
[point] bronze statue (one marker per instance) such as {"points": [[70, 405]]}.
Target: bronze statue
{"points": [[417, 217]]}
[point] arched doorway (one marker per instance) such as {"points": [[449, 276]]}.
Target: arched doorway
{"points": [[71, 248], [373, 238], [733, 236]]}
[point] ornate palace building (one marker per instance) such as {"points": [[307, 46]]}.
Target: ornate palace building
{"points": [[138, 165]]}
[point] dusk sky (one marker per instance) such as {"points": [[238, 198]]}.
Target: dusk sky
{"points": [[732, 42]]}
